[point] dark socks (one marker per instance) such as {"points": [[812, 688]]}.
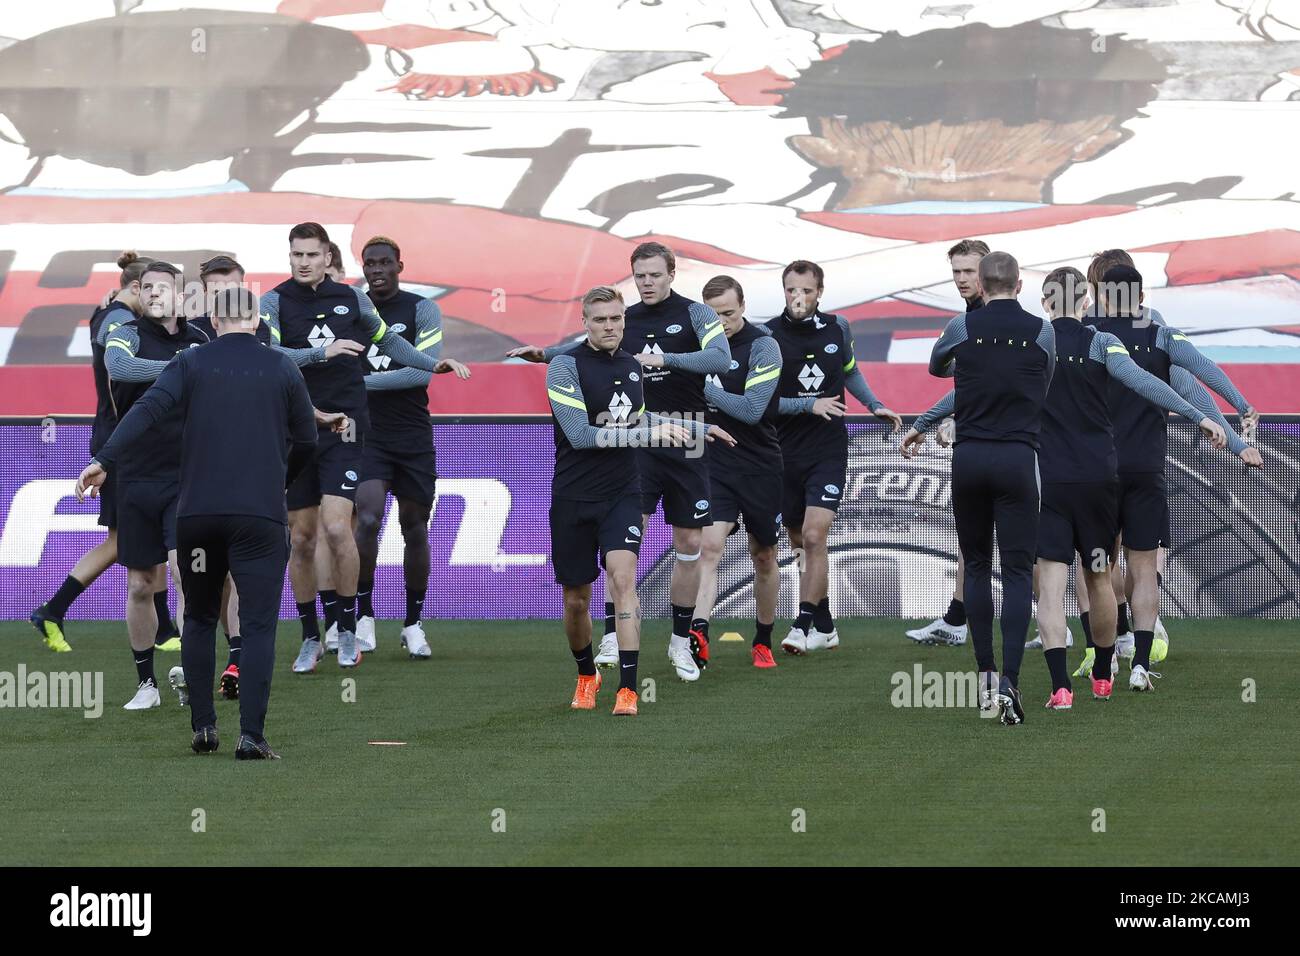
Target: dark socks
{"points": [[165, 629], [1121, 620], [804, 621], [329, 602], [682, 620], [586, 662], [307, 616], [1087, 628], [144, 666], [1101, 663], [1142, 641], [414, 608], [627, 669], [236, 644], [347, 614], [1056, 666], [762, 634], [822, 619], [609, 617], [955, 616], [701, 625], [364, 606], [68, 592]]}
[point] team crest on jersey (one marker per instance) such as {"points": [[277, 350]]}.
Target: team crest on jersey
{"points": [[320, 335], [673, 329], [811, 377], [634, 376], [734, 365], [831, 349], [832, 489], [399, 327], [340, 310], [633, 529], [701, 505], [350, 475], [620, 406], [378, 361]]}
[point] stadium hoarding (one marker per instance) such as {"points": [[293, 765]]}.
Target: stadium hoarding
{"points": [[892, 546]]}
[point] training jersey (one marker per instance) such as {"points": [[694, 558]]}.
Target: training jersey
{"points": [[598, 408], [103, 321], [1001, 359], [399, 396], [689, 335], [817, 361], [743, 402], [156, 457], [242, 409]]}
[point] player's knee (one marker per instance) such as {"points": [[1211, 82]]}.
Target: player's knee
{"points": [[141, 585], [576, 603], [621, 583], [415, 525], [764, 557], [368, 523], [814, 538], [711, 549]]}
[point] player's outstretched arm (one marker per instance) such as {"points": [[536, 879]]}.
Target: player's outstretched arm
{"points": [[167, 393], [570, 410], [714, 355], [1183, 353], [121, 360], [1108, 350], [856, 383], [1186, 385], [943, 363], [389, 342], [935, 413], [760, 383]]}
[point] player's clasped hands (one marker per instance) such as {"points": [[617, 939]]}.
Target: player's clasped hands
{"points": [[1214, 432], [912, 443]]}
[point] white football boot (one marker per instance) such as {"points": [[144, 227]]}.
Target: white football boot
{"points": [[607, 656], [366, 634], [415, 643], [146, 696]]}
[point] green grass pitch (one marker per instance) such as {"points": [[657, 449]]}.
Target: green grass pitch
{"points": [[711, 773]]}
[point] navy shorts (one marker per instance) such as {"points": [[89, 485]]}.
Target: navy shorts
{"points": [[410, 472], [682, 483], [756, 498], [1143, 510], [335, 469], [108, 502], [1079, 517], [818, 483], [584, 531], [146, 522]]}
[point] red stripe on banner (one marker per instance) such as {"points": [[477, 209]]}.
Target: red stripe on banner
{"points": [[917, 333], [893, 309], [940, 227], [520, 389], [1197, 261]]}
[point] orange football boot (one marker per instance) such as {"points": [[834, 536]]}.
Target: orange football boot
{"points": [[584, 698], [625, 702]]}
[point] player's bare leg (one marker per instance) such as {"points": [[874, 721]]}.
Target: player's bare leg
{"points": [[620, 581], [713, 542], [336, 526], [303, 524], [1052, 577], [329, 599], [767, 587], [1146, 605], [48, 618], [684, 588], [230, 623], [141, 629], [413, 518], [577, 630], [814, 621], [372, 495]]}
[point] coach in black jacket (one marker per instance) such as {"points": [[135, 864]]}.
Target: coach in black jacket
{"points": [[249, 428]]}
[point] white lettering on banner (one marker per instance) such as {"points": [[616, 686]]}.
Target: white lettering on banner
{"points": [[478, 538], [32, 516]]}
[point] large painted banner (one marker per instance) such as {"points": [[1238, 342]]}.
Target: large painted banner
{"points": [[519, 149], [892, 546]]}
